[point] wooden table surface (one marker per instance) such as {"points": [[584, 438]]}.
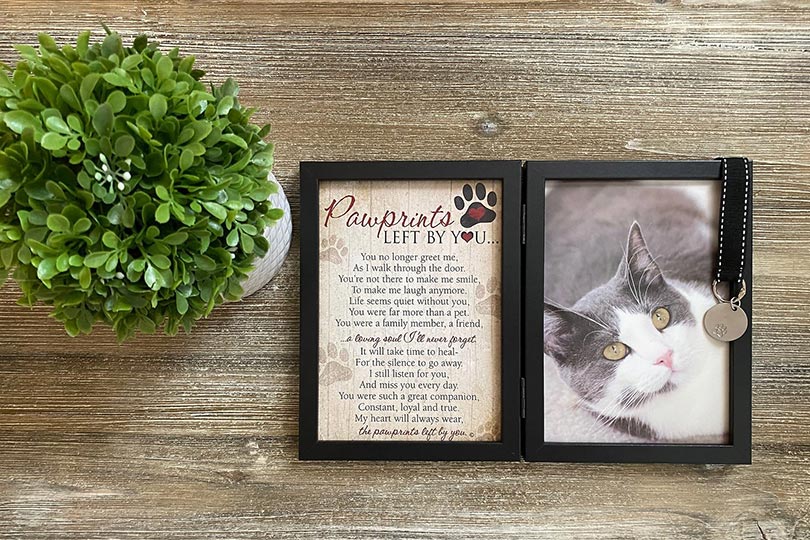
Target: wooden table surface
{"points": [[195, 436]]}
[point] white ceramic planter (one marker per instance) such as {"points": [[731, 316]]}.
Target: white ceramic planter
{"points": [[279, 236]]}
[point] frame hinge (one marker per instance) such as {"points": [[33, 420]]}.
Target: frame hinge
{"points": [[522, 397], [523, 224]]}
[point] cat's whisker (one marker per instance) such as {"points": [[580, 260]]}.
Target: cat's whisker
{"points": [[596, 322], [598, 331]]}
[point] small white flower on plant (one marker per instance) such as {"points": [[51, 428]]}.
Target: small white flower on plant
{"points": [[115, 178]]}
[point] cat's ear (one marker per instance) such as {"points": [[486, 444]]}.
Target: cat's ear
{"points": [[639, 266], [558, 330]]}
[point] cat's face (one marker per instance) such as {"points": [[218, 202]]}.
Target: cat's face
{"points": [[627, 341]]}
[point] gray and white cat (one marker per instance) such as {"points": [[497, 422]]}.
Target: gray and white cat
{"points": [[624, 309]]}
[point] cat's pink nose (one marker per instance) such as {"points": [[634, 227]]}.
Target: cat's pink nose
{"points": [[665, 359]]}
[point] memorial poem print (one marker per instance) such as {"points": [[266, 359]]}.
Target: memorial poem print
{"points": [[409, 310]]}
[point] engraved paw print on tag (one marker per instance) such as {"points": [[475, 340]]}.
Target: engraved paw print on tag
{"points": [[333, 249], [478, 211], [725, 322], [334, 365], [720, 330], [489, 298]]}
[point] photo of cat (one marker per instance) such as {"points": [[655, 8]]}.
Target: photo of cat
{"points": [[627, 279]]}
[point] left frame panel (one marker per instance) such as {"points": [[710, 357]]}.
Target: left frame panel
{"points": [[410, 310]]}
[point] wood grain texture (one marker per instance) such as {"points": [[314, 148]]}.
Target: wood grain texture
{"points": [[195, 437]]}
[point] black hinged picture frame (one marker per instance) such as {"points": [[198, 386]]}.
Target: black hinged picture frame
{"points": [[522, 297]]}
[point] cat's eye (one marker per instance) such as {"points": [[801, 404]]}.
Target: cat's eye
{"points": [[615, 351], [660, 318]]}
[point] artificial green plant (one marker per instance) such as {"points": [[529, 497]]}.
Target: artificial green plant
{"points": [[130, 194]]}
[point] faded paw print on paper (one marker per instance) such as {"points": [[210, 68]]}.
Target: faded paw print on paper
{"points": [[333, 249], [488, 431], [334, 365], [489, 298], [479, 205]]}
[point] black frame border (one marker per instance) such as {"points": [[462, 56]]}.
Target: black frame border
{"points": [[535, 447], [508, 448]]}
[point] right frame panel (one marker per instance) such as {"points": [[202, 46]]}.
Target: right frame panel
{"points": [[628, 368]]}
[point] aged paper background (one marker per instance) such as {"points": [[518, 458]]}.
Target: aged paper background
{"points": [[439, 376]]}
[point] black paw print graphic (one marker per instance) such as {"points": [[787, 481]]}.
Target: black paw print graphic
{"points": [[476, 212]]}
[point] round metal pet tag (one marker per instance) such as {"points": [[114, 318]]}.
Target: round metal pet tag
{"points": [[725, 321]]}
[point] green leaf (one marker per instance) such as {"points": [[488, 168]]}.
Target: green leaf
{"points": [[18, 120], [68, 94], [72, 328], [138, 265], [162, 213], [131, 62], [140, 42], [110, 240], [164, 68], [158, 106], [96, 260], [85, 321], [185, 135], [181, 303], [124, 145], [82, 43], [43, 250], [46, 269], [160, 261], [128, 220], [82, 225], [201, 129], [229, 88], [247, 244], [176, 239], [162, 193], [75, 123], [7, 256], [235, 139], [116, 214], [263, 159], [111, 44], [205, 262], [225, 105], [216, 210], [88, 85], [112, 263], [63, 261], [155, 280], [58, 223], [116, 79], [233, 238], [47, 42], [117, 101], [53, 141], [263, 191], [84, 278], [103, 119], [186, 159], [55, 123]]}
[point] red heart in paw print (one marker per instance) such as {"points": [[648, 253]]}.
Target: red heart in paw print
{"points": [[476, 212], [466, 236]]}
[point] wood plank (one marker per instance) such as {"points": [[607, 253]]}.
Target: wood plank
{"points": [[195, 436]]}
